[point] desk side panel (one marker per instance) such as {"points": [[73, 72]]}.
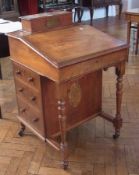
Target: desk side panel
{"points": [[82, 96]]}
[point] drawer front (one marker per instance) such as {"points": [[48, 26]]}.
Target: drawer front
{"points": [[32, 97], [26, 75], [33, 117]]}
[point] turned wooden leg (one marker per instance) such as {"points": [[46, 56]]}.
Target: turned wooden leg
{"points": [[81, 14], [107, 11], [137, 40], [120, 70], [21, 132], [128, 34], [128, 31], [62, 124], [91, 15], [120, 10], [44, 7], [75, 13], [79, 11]]}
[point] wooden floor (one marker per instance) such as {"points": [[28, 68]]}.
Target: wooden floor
{"points": [[93, 151]]}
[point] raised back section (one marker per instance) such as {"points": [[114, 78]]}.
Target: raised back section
{"points": [[46, 21]]}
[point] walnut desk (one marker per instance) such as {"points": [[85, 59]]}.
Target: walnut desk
{"points": [[132, 16], [58, 78]]}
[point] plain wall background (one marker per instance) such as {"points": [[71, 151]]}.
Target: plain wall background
{"points": [[133, 4]]}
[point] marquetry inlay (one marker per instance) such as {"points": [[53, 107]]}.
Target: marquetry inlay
{"points": [[75, 94]]}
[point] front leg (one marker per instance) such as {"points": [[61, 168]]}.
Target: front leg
{"points": [[117, 121], [62, 124]]}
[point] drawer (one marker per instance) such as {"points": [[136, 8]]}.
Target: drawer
{"points": [[31, 116], [26, 75], [33, 97]]}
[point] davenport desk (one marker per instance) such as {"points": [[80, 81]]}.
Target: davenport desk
{"points": [[132, 16], [58, 77]]}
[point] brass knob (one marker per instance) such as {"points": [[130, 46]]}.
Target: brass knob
{"points": [[20, 89], [35, 120], [23, 110], [30, 79], [33, 98], [18, 72]]}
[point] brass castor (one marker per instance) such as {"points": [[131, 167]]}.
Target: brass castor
{"points": [[65, 165], [116, 136], [21, 132]]}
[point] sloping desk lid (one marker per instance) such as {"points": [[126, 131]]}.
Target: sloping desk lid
{"points": [[70, 45]]}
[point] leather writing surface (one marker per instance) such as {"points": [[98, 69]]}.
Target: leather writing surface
{"points": [[73, 44]]}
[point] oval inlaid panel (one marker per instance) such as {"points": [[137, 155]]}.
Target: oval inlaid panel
{"points": [[74, 94]]}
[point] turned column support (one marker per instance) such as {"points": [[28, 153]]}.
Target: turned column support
{"points": [[117, 121], [62, 124]]}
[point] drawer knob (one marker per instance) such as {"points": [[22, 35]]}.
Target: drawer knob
{"points": [[35, 120], [33, 98], [18, 72], [20, 89], [30, 79], [23, 110]]}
